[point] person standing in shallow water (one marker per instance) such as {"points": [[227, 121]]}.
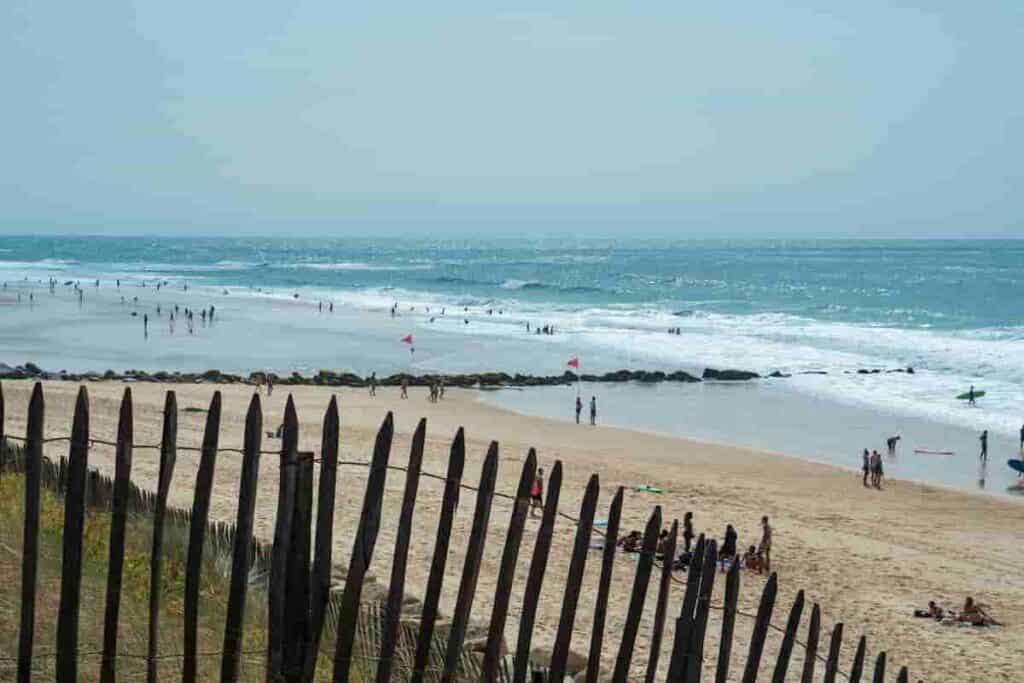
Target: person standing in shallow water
{"points": [[593, 410], [579, 408], [867, 467], [983, 456]]}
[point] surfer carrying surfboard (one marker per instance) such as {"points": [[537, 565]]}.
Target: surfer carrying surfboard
{"points": [[970, 396]]}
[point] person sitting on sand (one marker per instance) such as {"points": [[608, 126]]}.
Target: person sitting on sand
{"points": [[659, 552], [752, 560], [728, 549], [632, 543], [933, 612], [974, 613]]}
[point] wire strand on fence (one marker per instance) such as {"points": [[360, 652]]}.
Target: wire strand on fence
{"points": [[430, 475]]}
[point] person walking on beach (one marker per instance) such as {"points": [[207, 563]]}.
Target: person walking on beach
{"points": [[867, 467], [891, 444], [876, 470], [593, 410], [373, 384], [983, 456], [537, 492], [579, 408], [765, 549], [405, 388]]}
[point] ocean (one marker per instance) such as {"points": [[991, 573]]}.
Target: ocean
{"points": [[952, 310]]}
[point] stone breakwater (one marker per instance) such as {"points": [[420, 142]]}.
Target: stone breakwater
{"points": [[348, 379]]}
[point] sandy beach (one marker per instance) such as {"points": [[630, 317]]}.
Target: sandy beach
{"points": [[868, 558]]}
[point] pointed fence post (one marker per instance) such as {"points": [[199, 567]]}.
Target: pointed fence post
{"points": [[241, 556], [668, 557], [282, 543], [118, 525], [296, 610], [320, 588], [764, 618], [858, 660], [788, 639], [197, 536], [74, 523], [168, 455], [604, 586], [535, 580], [507, 571], [880, 668], [636, 602], [396, 590], [732, 591], [684, 623], [362, 552], [573, 583], [811, 653], [693, 665], [471, 566], [453, 483], [834, 646], [30, 536]]}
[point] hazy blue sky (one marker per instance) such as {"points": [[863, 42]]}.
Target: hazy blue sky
{"points": [[674, 118]]}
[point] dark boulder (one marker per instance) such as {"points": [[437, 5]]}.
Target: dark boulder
{"points": [[729, 375]]}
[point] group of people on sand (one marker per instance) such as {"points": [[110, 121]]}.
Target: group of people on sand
{"points": [[872, 469], [757, 558], [972, 614]]}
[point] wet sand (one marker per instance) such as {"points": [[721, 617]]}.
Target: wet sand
{"points": [[867, 557]]}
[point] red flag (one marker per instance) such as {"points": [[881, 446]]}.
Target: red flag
{"points": [[407, 339], [574, 363]]}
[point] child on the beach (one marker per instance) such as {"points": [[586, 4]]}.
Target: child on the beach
{"points": [[537, 492]]}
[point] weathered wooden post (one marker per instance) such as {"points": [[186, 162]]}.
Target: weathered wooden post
{"points": [[74, 523]]}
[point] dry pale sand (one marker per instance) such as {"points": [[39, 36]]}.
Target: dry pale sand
{"points": [[868, 558]]}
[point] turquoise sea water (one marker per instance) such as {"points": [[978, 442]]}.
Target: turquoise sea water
{"points": [[953, 310], [944, 285]]}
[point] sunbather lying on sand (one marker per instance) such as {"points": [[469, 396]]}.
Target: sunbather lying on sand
{"points": [[974, 613]]}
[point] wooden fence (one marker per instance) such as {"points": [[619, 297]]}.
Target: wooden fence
{"points": [[301, 604]]}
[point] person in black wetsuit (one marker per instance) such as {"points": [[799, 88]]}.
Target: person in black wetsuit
{"points": [[983, 456]]}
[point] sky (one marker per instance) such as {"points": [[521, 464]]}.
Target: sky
{"points": [[767, 119]]}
